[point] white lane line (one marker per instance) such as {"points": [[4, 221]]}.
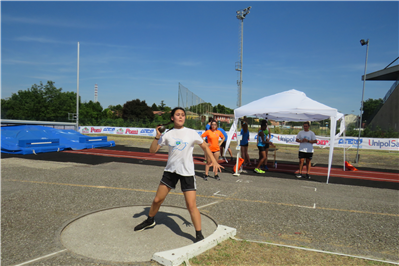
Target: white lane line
{"points": [[309, 207], [216, 194], [206, 205], [40, 258]]}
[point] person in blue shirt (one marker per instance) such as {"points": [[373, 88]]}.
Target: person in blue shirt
{"points": [[223, 145], [263, 146], [244, 143]]}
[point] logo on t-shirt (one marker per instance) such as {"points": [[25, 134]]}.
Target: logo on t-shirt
{"points": [[179, 145]]}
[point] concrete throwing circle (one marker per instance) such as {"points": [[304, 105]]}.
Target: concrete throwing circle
{"points": [[109, 234]]}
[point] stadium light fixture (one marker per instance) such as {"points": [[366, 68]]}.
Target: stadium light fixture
{"points": [[241, 15]]}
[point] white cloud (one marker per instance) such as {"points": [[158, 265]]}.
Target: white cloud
{"points": [[50, 22]]}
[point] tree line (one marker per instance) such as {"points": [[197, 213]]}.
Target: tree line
{"points": [[46, 102]]}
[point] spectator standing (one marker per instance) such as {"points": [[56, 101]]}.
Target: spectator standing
{"points": [[213, 136], [267, 134], [207, 127], [306, 139], [261, 143], [244, 143]]}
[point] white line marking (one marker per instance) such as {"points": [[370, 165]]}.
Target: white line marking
{"points": [[206, 205], [309, 207], [216, 194], [308, 187], [49, 255]]}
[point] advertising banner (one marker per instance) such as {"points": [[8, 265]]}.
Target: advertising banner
{"points": [[350, 142]]}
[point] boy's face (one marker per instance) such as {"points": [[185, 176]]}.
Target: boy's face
{"points": [[306, 127]]}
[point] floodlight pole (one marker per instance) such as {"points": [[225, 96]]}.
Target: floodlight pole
{"points": [[241, 15], [362, 42], [77, 95]]}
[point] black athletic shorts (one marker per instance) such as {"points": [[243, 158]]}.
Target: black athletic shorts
{"points": [[245, 145], [305, 155], [187, 183], [261, 148], [223, 144]]}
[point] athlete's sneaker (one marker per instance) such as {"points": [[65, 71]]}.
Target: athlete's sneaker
{"points": [[266, 168], [307, 176], [258, 171], [298, 176], [206, 177], [217, 177], [199, 238], [144, 225]]}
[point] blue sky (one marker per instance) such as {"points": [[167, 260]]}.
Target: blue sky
{"points": [[142, 50]]}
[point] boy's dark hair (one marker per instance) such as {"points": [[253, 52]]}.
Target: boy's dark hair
{"points": [[307, 123]]}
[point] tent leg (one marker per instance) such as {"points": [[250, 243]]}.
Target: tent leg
{"points": [[238, 157]]}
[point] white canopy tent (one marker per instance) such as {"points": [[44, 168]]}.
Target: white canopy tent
{"points": [[290, 105]]}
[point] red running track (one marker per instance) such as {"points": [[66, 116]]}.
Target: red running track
{"points": [[282, 168]]}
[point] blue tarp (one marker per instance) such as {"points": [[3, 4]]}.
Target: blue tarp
{"points": [[39, 139]]}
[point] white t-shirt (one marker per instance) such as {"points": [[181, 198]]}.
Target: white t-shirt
{"points": [[181, 146], [306, 146]]}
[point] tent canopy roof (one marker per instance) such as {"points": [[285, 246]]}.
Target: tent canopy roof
{"points": [[289, 105]]}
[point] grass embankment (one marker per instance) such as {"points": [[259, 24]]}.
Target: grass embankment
{"points": [[232, 252]]}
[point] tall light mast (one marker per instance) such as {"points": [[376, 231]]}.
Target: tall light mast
{"points": [[241, 15], [95, 93]]}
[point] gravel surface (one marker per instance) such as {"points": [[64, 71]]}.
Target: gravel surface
{"points": [[40, 196]]}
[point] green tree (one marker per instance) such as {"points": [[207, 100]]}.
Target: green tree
{"points": [[370, 107], [161, 106], [154, 107], [201, 108], [222, 109], [4, 103], [137, 110], [40, 102], [90, 111], [116, 110]]}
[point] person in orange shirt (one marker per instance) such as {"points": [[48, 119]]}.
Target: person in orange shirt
{"points": [[213, 135]]}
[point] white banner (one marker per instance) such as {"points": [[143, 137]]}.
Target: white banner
{"points": [[390, 144]]}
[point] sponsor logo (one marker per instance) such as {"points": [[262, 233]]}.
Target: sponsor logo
{"points": [[349, 141], [147, 131], [384, 144], [95, 130], [322, 142], [128, 131], [119, 131], [85, 130], [287, 139], [109, 129]]}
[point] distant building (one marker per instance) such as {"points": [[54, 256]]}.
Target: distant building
{"points": [[223, 117], [350, 120], [191, 115], [158, 113], [388, 115]]}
